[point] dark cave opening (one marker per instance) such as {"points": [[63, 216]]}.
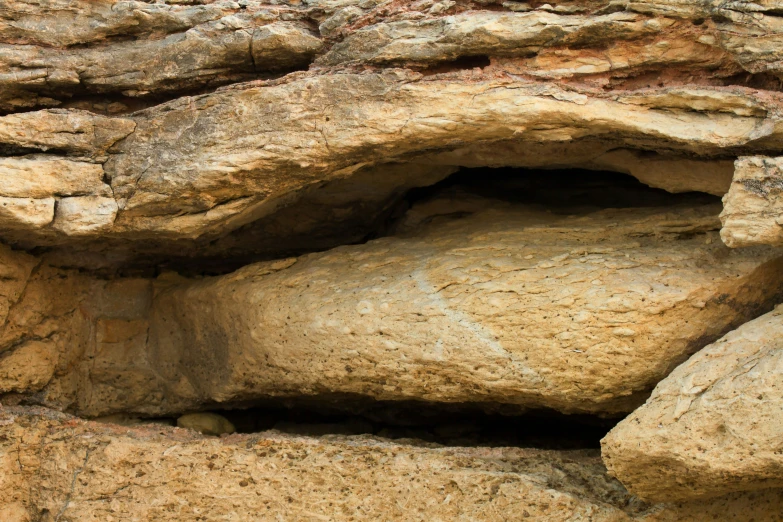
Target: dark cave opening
{"points": [[280, 235], [561, 190], [447, 424]]}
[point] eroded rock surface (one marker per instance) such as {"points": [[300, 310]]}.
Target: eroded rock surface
{"points": [[77, 470], [125, 152], [713, 426], [513, 306], [753, 207]]}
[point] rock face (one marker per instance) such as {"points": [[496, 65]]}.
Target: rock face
{"points": [[713, 426], [79, 470], [508, 306], [753, 208], [209, 206]]}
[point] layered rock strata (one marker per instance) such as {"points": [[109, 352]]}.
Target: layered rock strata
{"points": [[201, 167], [713, 426], [56, 466], [128, 146]]}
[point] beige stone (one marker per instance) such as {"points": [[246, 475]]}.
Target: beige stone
{"points": [[85, 215], [25, 213], [223, 44], [711, 427], [28, 367], [514, 306], [206, 423], [753, 208], [81, 470], [63, 130], [217, 177], [670, 172], [15, 271], [477, 33], [45, 176]]}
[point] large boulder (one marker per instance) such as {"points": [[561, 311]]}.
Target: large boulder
{"points": [[510, 305], [713, 426]]}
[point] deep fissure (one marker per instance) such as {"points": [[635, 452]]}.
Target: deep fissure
{"points": [[563, 191], [462, 424]]}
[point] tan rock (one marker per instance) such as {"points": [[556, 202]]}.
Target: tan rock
{"points": [[222, 45], [753, 208], [513, 306], [28, 367], [15, 270], [45, 176], [168, 474], [672, 173], [206, 423], [477, 33], [63, 130], [711, 427], [64, 23], [25, 214], [85, 215], [215, 177]]}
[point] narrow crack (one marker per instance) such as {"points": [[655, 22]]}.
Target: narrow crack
{"points": [[76, 474]]}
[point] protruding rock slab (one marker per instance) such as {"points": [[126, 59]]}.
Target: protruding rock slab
{"points": [[79, 470], [511, 306], [715, 425], [753, 208]]}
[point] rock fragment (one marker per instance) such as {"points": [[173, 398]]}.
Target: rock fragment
{"points": [[753, 207], [206, 423], [70, 131], [85, 215], [713, 426], [28, 367]]}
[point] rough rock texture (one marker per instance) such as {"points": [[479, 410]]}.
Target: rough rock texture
{"points": [[60, 468], [46, 54], [713, 426], [147, 145], [688, 84], [510, 305], [753, 207], [514, 306]]}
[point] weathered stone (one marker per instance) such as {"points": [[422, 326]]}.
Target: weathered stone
{"points": [[672, 173], [25, 214], [85, 215], [493, 304], [62, 130], [91, 327], [15, 270], [224, 44], [512, 306], [42, 176], [222, 175], [82, 470], [206, 423], [711, 427], [753, 208], [28, 367]]}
